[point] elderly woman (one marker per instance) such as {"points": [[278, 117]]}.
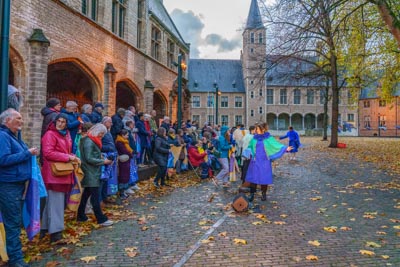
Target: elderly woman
{"points": [[56, 147], [86, 113], [90, 147], [161, 152]]}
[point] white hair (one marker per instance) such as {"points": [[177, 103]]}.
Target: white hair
{"points": [[97, 129], [71, 104], [86, 107], [6, 115]]}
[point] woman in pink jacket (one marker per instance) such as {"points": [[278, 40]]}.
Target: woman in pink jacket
{"points": [[56, 147]]}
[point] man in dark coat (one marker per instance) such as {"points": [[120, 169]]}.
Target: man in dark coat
{"points": [[15, 171], [74, 123], [49, 112], [160, 156], [117, 124], [97, 114], [143, 135]]}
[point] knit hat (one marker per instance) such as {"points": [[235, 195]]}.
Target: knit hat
{"points": [[52, 102], [98, 105], [12, 90], [61, 115]]}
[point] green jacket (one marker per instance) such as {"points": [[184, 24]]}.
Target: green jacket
{"points": [[91, 162]]}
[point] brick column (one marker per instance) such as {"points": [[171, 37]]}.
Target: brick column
{"points": [[109, 89], [148, 97], [36, 91]]}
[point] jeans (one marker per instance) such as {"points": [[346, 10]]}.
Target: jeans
{"points": [[223, 175], [11, 210], [94, 200]]}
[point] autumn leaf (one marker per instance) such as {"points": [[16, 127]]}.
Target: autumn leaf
{"points": [[222, 234], [256, 223], [312, 258], [331, 229], [132, 254], [130, 249], [385, 257], [260, 216], [88, 259], [314, 243], [345, 228], [367, 252], [52, 264], [316, 198], [283, 216], [239, 241], [279, 223], [144, 228], [396, 227], [381, 233], [372, 245]]}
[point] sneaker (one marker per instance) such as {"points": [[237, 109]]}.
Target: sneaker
{"points": [[123, 195], [135, 187], [156, 185], [107, 223], [129, 191], [89, 210]]}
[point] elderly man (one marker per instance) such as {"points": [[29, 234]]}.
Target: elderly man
{"points": [[97, 114], [74, 124], [15, 170]]}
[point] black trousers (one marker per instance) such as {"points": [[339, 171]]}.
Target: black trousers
{"points": [[92, 192]]}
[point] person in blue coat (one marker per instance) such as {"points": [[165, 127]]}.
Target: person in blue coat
{"points": [[15, 171], [74, 124], [294, 142]]}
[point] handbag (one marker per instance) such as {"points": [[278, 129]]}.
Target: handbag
{"points": [[123, 158], [62, 168]]}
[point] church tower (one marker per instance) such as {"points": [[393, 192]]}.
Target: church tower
{"points": [[254, 65]]}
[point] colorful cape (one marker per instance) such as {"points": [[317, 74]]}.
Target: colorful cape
{"points": [[272, 147]]}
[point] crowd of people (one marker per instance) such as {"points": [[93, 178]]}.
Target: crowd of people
{"points": [[109, 151]]}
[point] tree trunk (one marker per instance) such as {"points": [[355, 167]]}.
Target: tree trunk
{"points": [[388, 18], [335, 96], [325, 122]]}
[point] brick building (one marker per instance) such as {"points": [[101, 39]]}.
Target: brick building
{"points": [[249, 93], [119, 52]]}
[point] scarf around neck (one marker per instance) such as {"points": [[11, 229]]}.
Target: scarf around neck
{"points": [[96, 140], [125, 142]]}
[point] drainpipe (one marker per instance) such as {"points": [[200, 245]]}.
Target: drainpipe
{"points": [[4, 52]]}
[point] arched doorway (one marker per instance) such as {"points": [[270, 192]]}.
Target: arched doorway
{"points": [[10, 73], [271, 121], [283, 121], [68, 80], [309, 121], [320, 120], [297, 121], [160, 105], [128, 95]]}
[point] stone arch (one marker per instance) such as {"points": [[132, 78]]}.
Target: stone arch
{"points": [[309, 121], [320, 120], [160, 104], [71, 79], [17, 72], [283, 121], [271, 121], [297, 121], [128, 94]]}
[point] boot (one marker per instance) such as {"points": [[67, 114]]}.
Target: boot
{"points": [[43, 233], [264, 196], [55, 237]]}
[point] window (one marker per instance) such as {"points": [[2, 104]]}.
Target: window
{"points": [[252, 113], [238, 119], [367, 104], [155, 43], [210, 101], [251, 82], [224, 120], [382, 103], [210, 119], [89, 8], [251, 50], [196, 118], [195, 101], [251, 94], [224, 101], [170, 54], [260, 38], [283, 97], [118, 17], [252, 37], [310, 96], [140, 23], [322, 96], [382, 121], [350, 117], [270, 96], [260, 92], [367, 122], [238, 101], [260, 110], [296, 96]]}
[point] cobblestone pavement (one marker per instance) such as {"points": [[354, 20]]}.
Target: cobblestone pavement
{"points": [[196, 227]]}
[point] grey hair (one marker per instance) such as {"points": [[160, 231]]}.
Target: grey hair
{"points": [[85, 108], [71, 104], [105, 119], [7, 115], [171, 130], [98, 129]]}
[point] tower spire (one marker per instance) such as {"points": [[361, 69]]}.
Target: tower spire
{"points": [[254, 20]]}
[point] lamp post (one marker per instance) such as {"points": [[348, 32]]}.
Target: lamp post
{"points": [[379, 124], [216, 102], [181, 66], [4, 51]]}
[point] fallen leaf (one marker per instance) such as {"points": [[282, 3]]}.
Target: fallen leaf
{"points": [[385, 257], [367, 252], [312, 258], [372, 245], [315, 198], [345, 228], [396, 227], [256, 223], [239, 241], [132, 254], [296, 259], [331, 229], [88, 259], [52, 264], [144, 228], [130, 249], [283, 216], [314, 243], [279, 223], [380, 233]]}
